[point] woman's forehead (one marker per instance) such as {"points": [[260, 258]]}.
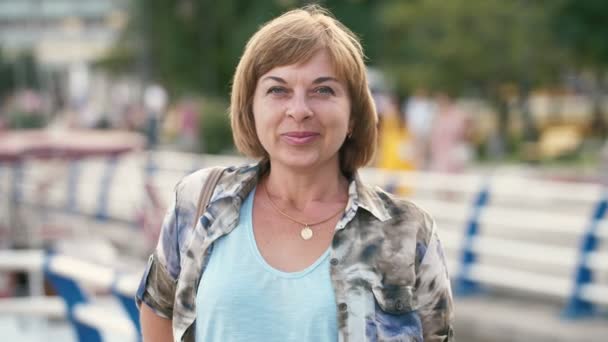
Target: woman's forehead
{"points": [[319, 65]]}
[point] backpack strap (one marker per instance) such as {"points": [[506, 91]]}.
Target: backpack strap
{"points": [[207, 190]]}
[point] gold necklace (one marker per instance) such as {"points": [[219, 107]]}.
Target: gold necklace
{"points": [[306, 233]]}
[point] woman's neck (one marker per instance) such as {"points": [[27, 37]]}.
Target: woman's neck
{"points": [[299, 189]]}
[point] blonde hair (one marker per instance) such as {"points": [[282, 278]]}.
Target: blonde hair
{"points": [[292, 38]]}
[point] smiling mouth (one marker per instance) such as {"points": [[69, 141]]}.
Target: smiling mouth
{"points": [[300, 138]]}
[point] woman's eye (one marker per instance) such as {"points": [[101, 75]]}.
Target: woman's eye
{"points": [[276, 90], [325, 91]]}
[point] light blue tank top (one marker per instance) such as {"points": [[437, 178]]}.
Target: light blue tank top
{"points": [[242, 298]]}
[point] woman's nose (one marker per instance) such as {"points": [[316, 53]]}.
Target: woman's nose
{"points": [[298, 108]]}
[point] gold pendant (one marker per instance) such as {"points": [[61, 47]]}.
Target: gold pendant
{"points": [[306, 233]]}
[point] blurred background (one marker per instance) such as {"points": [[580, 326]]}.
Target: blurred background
{"points": [[493, 117]]}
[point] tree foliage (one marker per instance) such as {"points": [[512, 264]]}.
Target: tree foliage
{"points": [[18, 72], [459, 45], [582, 26]]}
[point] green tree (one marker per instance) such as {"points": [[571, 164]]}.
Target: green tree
{"points": [[361, 17], [463, 46], [18, 72], [7, 82], [582, 26]]}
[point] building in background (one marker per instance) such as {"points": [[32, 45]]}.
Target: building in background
{"points": [[61, 32], [64, 37]]}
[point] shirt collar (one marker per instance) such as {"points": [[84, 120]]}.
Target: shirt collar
{"points": [[372, 199], [237, 182]]}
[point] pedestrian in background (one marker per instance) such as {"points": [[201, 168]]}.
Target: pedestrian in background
{"points": [[420, 111], [155, 102], [396, 146], [450, 148]]}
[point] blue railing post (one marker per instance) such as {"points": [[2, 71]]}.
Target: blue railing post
{"points": [[72, 295], [106, 181], [463, 286], [577, 306]]}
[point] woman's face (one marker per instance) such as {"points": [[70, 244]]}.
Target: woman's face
{"points": [[302, 113]]}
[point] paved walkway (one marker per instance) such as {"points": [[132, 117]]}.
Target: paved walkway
{"points": [[505, 319], [26, 329]]}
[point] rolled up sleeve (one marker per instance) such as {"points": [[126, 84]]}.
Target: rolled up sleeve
{"points": [[434, 293], [157, 286]]}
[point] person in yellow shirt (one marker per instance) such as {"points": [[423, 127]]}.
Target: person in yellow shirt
{"points": [[395, 146]]}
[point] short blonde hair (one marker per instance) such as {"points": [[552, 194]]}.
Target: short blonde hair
{"points": [[295, 37]]}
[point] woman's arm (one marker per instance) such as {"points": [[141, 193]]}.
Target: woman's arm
{"points": [[153, 327], [156, 292]]}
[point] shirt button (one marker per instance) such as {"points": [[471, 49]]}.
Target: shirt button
{"points": [[334, 262], [399, 305], [342, 306]]}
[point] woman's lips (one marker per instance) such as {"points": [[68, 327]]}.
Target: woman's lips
{"points": [[300, 138]]}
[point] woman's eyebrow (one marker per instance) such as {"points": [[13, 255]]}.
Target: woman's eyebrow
{"points": [[316, 81], [274, 78], [325, 79]]}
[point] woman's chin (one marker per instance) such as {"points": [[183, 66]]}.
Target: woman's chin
{"points": [[298, 161], [299, 164]]}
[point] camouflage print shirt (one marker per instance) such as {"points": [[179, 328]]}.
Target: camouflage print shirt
{"points": [[387, 266]]}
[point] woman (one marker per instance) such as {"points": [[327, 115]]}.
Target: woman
{"points": [[295, 247]]}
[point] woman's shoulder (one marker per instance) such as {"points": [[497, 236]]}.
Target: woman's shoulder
{"points": [[194, 181], [406, 214], [188, 189]]}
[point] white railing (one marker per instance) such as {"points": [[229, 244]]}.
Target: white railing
{"points": [[527, 236], [84, 289]]}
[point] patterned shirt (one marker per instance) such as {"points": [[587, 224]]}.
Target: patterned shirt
{"points": [[388, 270]]}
